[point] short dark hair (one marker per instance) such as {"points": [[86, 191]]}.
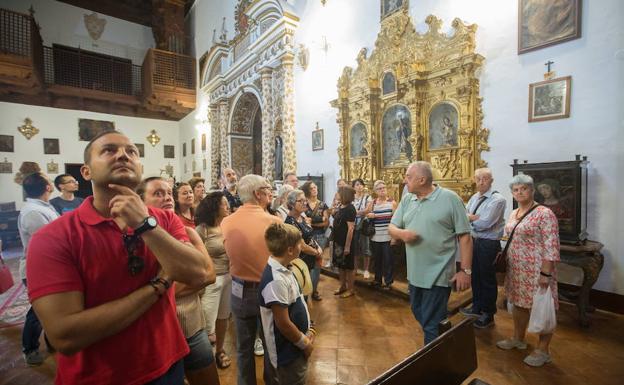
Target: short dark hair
{"points": [[208, 209], [307, 187], [58, 181], [87, 150], [356, 180], [35, 185], [142, 187], [195, 180], [346, 194]]}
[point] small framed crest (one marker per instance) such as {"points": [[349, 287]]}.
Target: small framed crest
{"points": [[52, 167], [550, 99], [6, 167]]}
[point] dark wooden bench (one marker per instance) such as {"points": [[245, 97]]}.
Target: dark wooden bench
{"points": [[448, 360]]}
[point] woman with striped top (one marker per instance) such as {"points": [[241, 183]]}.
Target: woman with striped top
{"points": [[380, 211]]}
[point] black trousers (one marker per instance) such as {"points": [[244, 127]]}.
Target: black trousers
{"points": [[484, 290]]}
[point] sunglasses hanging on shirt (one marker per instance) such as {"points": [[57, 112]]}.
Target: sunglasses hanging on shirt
{"points": [[135, 263]]}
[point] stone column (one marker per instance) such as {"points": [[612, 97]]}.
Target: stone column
{"points": [[224, 115], [215, 140], [268, 134], [288, 114]]}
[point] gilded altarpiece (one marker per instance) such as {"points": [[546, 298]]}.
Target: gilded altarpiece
{"points": [[415, 97]]}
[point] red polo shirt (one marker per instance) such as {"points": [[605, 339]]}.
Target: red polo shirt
{"points": [[83, 251]]}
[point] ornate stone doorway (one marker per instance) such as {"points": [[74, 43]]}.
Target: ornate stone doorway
{"points": [[245, 135]]}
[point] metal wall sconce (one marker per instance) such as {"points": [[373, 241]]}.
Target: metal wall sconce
{"points": [[153, 138], [28, 130]]}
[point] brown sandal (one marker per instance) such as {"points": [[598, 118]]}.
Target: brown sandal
{"points": [[222, 359], [347, 294]]}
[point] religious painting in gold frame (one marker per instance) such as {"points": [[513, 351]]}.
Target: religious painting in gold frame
{"points": [[433, 71], [358, 140]]}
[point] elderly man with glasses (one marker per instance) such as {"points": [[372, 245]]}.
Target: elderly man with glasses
{"points": [[243, 233]]}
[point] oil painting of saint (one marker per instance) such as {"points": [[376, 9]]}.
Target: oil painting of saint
{"points": [[443, 126], [396, 128], [359, 140]]}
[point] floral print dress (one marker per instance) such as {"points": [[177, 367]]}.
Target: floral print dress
{"points": [[536, 239]]}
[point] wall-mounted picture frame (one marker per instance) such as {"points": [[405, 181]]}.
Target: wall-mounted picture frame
{"points": [[7, 143], [6, 167], [184, 149], [544, 23], [51, 146], [550, 99], [389, 7], [141, 148], [169, 151], [89, 128], [317, 139], [203, 142], [193, 146]]}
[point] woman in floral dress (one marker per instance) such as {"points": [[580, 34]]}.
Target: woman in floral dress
{"points": [[531, 258]]}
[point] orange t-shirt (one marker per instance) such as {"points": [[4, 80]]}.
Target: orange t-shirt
{"points": [[243, 234]]}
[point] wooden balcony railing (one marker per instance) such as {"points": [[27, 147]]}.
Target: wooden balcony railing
{"points": [[168, 71], [75, 67], [20, 40]]}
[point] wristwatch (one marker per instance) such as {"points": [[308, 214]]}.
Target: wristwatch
{"points": [[467, 271], [148, 224]]}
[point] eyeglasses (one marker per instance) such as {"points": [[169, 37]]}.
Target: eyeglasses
{"points": [[135, 263], [302, 201]]}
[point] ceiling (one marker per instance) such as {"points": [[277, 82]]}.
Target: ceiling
{"points": [[134, 11]]}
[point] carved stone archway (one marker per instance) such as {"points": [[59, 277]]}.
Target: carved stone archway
{"points": [[258, 61], [245, 135]]}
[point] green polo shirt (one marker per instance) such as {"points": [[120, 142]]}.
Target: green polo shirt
{"points": [[438, 219]]}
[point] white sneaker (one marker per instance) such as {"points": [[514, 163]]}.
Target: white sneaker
{"points": [[258, 348], [366, 274]]}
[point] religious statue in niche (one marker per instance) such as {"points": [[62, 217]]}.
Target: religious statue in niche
{"points": [[443, 125], [388, 84], [396, 128], [358, 141], [279, 158]]}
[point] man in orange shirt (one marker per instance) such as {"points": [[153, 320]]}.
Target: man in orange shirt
{"points": [[243, 234]]}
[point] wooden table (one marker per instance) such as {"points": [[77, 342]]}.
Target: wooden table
{"points": [[587, 257]]}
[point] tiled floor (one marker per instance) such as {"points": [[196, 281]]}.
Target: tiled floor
{"points": [[362, 336]]}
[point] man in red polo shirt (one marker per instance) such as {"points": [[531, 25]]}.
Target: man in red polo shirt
{"points": [[98, 279]]}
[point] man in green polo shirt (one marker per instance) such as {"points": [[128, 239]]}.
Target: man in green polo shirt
{"points": [[432, 221]]}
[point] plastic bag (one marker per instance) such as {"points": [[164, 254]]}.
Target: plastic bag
{"points": [[543, 319]]}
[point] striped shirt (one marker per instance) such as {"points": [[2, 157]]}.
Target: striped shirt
{"points": [[383, 214]]}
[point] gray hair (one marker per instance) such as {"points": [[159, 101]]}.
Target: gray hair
{"points": [[248, 184], [283, 192], [291, 199], [425, 169], [483, 170], [521, 178]]}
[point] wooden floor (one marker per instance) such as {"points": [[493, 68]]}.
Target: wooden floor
{"points": [[361, 336]]}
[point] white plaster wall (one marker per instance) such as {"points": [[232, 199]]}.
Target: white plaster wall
{"points": [[193, 126], [64, 24], [63, 124], [595, 62]]}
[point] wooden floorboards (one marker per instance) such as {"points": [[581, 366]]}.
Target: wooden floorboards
{"points": [[362, 336]]}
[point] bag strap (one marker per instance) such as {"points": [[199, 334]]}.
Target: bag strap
{"points": [[481, 200], [302, 275], [514, 229]]}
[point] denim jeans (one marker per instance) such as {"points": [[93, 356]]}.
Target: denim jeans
{"points": [[429, 306], [315, 275], [31, 332], [174, 376], [384, 262], [247, 322], [483, 280]]}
